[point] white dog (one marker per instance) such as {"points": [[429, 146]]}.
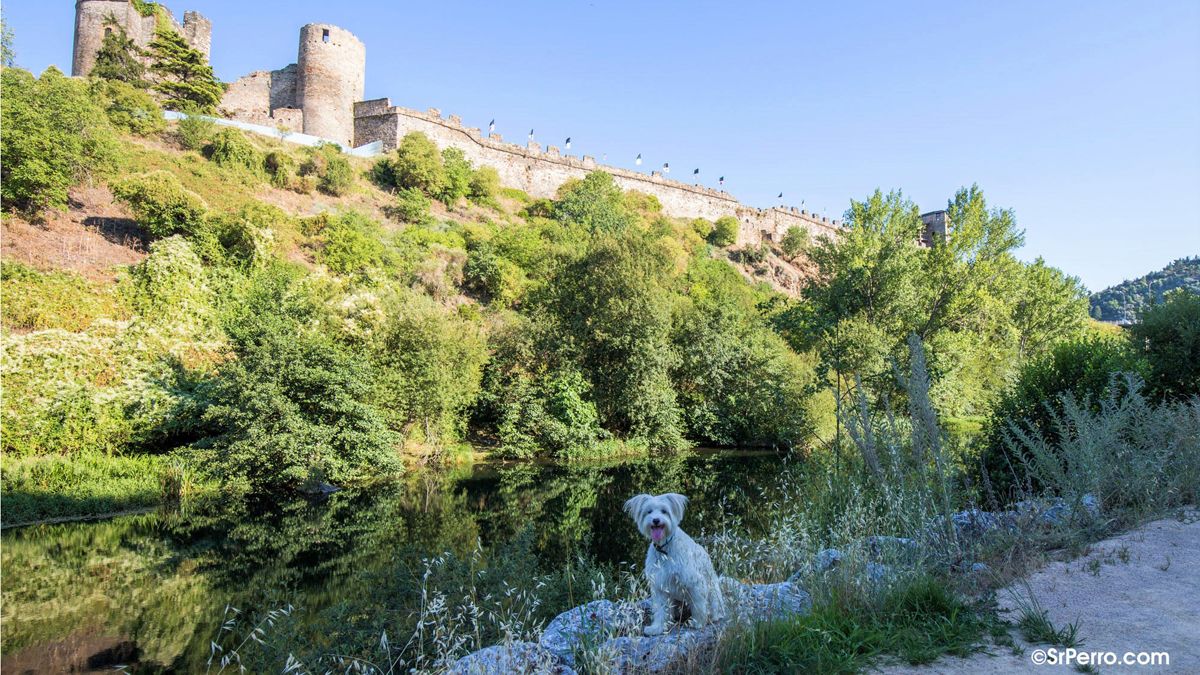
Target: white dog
{"points": [[678, 569]]}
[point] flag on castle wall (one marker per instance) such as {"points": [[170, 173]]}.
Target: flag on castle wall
{"points": [[721, 180], [638, 161], [568, 143], [531, 134], [666, 168], [780, 196], [696, 172], [491, 126]]}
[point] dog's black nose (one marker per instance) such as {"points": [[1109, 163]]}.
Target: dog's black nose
{"points": [[655, 521]]}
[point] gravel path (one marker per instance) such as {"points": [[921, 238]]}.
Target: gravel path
{"points": [[1137, 592]]}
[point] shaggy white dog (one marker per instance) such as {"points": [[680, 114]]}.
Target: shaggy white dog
{"points": [[679, 571]]}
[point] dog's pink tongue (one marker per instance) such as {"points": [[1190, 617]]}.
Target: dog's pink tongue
{"points": [[656, 533]]}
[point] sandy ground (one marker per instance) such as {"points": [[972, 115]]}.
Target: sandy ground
{"points": [[1137, 592]]}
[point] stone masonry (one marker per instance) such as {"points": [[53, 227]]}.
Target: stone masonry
{"points": [[94, 19]]}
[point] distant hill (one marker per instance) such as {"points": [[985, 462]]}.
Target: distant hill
{"points": [[1125, 301]]}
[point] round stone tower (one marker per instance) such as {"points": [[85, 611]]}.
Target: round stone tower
{"points": [[333, 70], [90, 19]]}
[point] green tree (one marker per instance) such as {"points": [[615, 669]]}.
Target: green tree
{"points": [[416, 164], [596, 203], [1169, 338], [1050, 307], [186, 81], [55, 134], [119, 57], [130, 108], [724, 232], [794, 242], [8, 52], [485, 185], [353, 244], [161, 204], [458, 176], [334, 173]]}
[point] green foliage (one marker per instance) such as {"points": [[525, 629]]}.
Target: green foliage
{"points": [[1126, 301], [195, 132], [429, 363], [293, 407], [55, 134], [231, 149], [595, 203], [130, 108], [161, 204], [280, 168], [1169, 338], [794, 241], [8, 52], [458, 176], [185, 79], [484, 186], [724, 232], [1082, 368], [412, 206], [118, 58], [334, 173], [491, 276], [353, 244], [251, 235], [36, 300], [1049, 307], [417, 164]]}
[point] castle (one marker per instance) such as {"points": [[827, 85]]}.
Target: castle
{"points": [[321, 95]]}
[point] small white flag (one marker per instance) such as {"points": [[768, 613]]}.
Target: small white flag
{"points": [[568, 143], [638, 161], [666, 168], [492, 126]]}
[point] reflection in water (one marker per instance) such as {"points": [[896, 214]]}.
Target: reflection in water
{"points": [[150, 589]]}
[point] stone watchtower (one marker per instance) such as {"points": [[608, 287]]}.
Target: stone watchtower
{"points": [[94, 19], [333, 71]]}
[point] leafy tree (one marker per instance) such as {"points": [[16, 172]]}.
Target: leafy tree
{"points": [[724, 232], [1050, 306], [412, 206], [417, 164], [130, 108], [119, 58], [334, 173], [55, 134], [231, 149], [8, 53], [1169, 338], [186, 80], [194, 132], [161, 204], [294, 407], [458, 176], [795, 240], [612, 318], [353, 244], [485, 185], [596, 203]]}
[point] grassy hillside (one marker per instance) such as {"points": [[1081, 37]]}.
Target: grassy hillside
{"points": [[1126, 301]]}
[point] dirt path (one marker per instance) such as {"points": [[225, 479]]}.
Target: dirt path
{"points": [[1136, 592]]}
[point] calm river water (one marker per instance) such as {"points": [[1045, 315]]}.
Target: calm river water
{"points": [[149, 591]]}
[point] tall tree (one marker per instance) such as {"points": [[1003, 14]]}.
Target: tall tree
{"points": [[118, 58], [185, 78]]}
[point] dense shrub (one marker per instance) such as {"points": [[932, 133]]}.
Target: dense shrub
{"points": [[36, 300], [353, 244], [118, 58], [251, 235], [596, 203], [161, 204], [702, 227], [294, 407], [130, 108], [458, 176], [1168, 336], [169, 284], [231, 149], [416, 164], [1084, 369], [412, 206], [794, 241], [485, 186], [333, 172], [194, 132], [185, 79], [490, 276], [724, 232], [54, 135], [280, 168]]}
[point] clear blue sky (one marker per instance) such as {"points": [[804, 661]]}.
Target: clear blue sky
{"points": [[1083, 117]]}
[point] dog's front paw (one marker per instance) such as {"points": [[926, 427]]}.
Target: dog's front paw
{"points": [[653, 629]]}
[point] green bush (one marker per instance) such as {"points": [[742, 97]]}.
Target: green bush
{"points": [[118, 59], [724, 232], [1168, 336], [490, 276], [130, 108], [334, 173], [458, 176], [294, 407], [194, 132], [794, 242], [417, 164], [161, 204], [251, 235], [702, 227], [36, 300], [485, 186], [232, 150], [55, 134], [353, 244], [412, 206], [596, 203], [185, 79], [1082, 368], [280, 167]]}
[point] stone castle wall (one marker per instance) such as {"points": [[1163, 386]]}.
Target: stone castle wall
{"points": [[539, 172], [266, 97], [332, 77], [91, 24]]}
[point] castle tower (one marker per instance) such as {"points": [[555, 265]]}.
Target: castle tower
{"points": [[93, 19], [333, 66]]}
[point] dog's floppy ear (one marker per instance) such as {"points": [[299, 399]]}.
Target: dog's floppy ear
{"points": [[634, 504], [677, 503]]}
